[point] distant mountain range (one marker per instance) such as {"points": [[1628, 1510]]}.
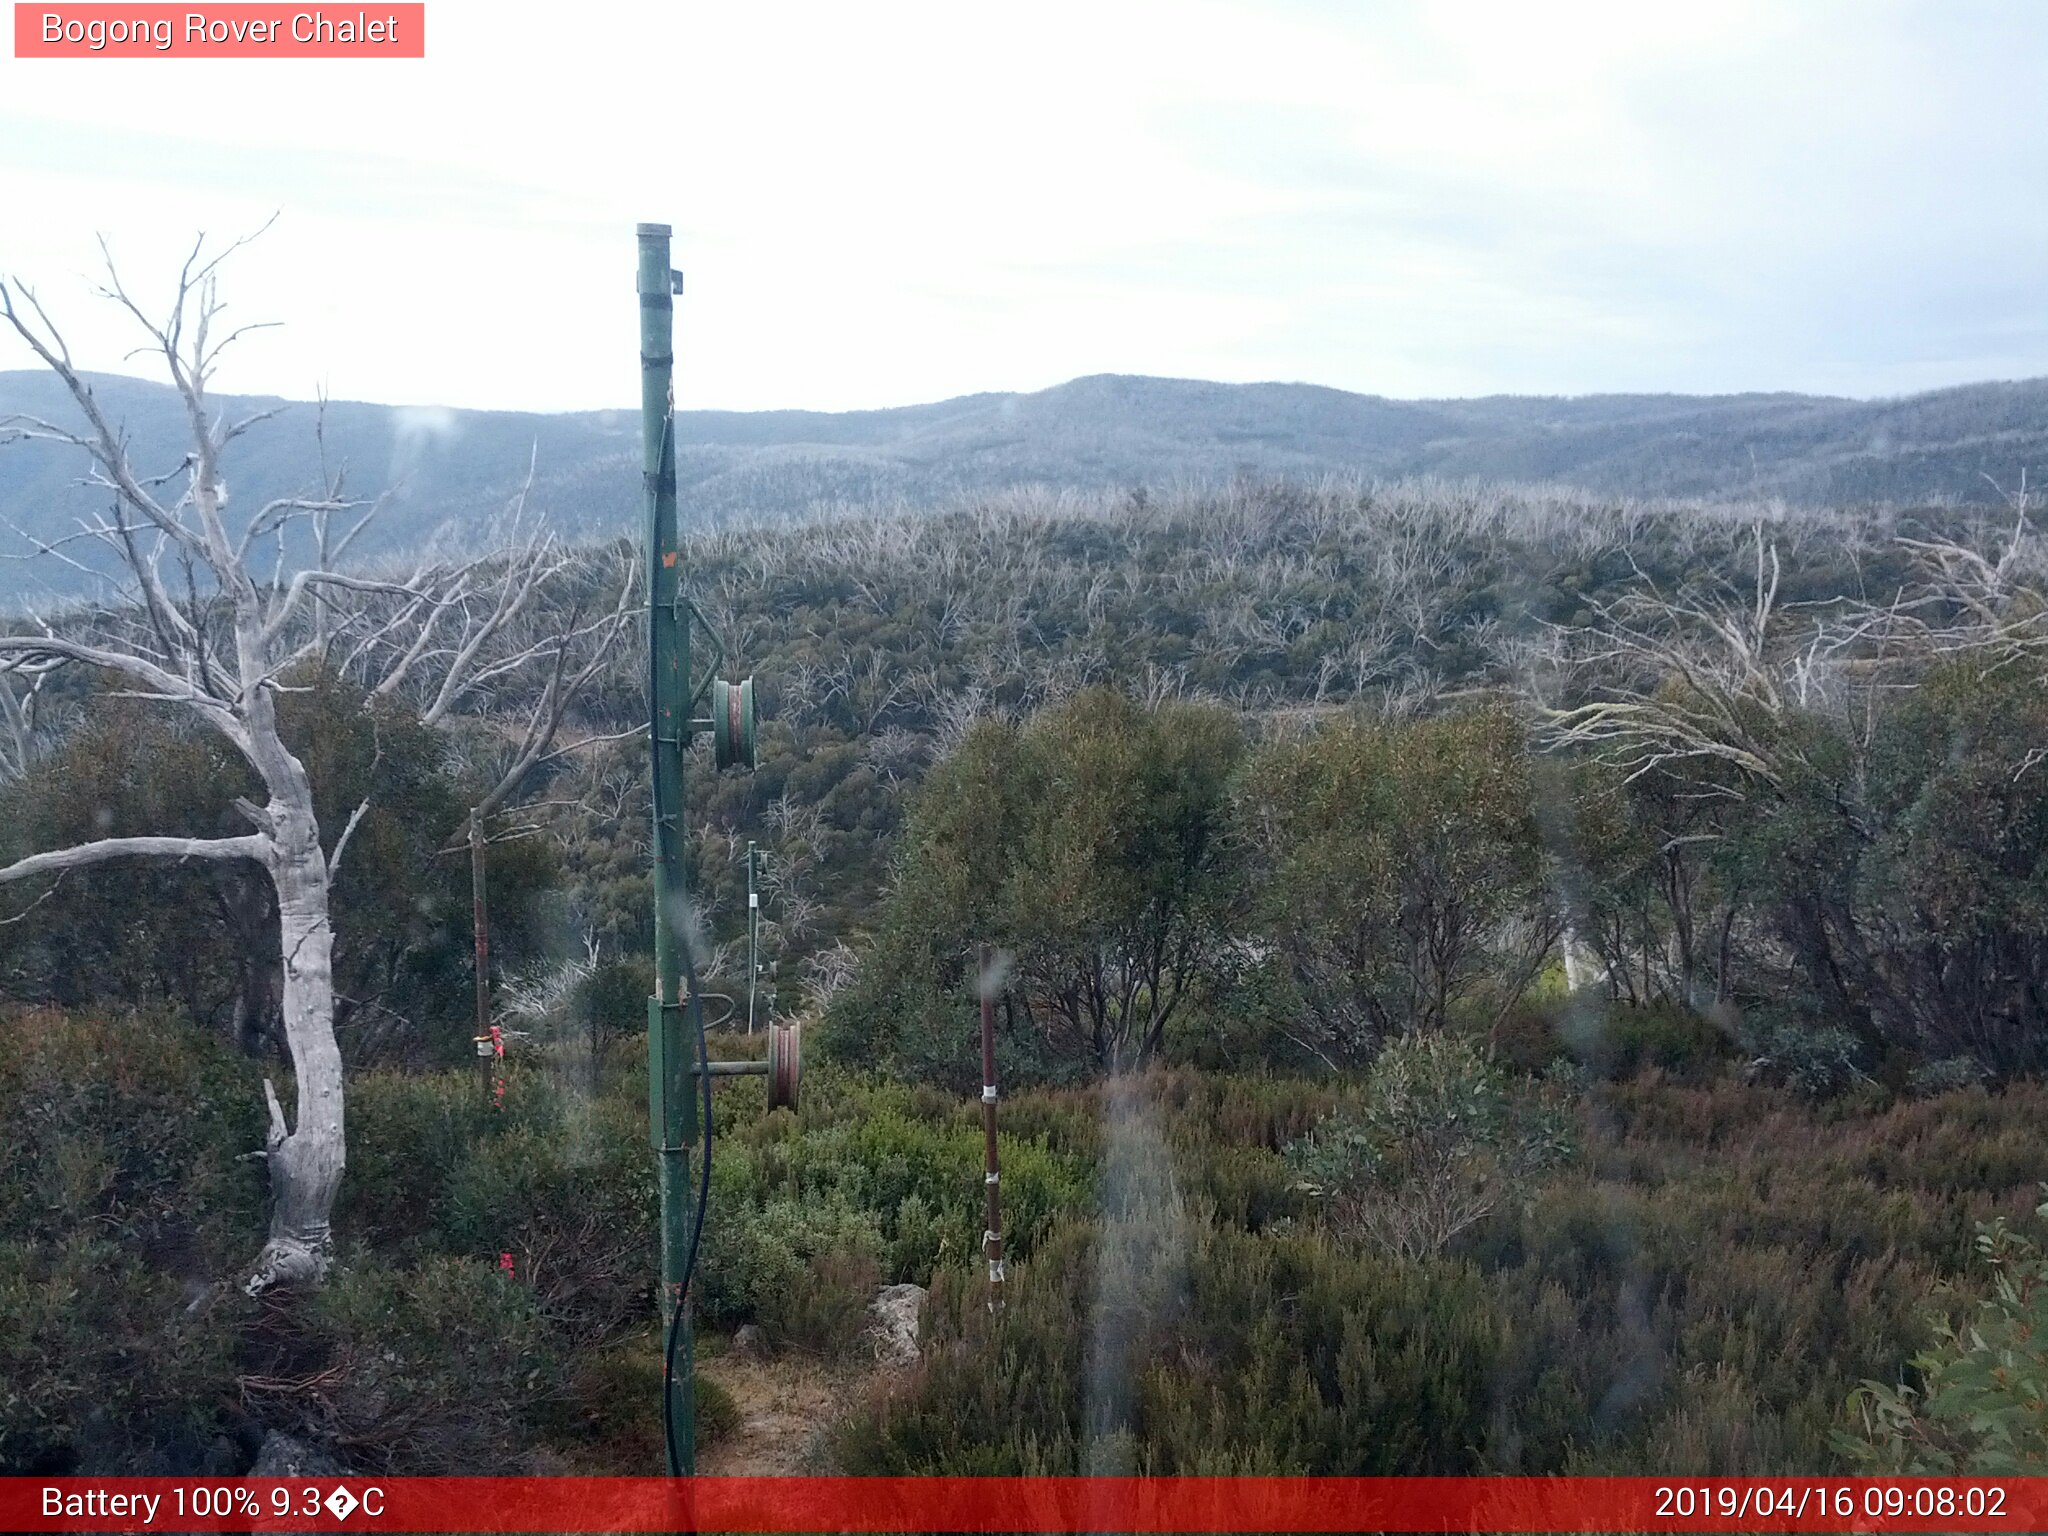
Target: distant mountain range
{"points": [[455, 468]]}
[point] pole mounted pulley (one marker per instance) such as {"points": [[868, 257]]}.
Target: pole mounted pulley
{"points": [[732, 723], [783, 1065]]}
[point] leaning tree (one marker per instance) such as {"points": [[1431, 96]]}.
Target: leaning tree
{"points": [[210, 619]]}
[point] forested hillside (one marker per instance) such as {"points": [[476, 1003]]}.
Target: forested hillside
{"points": [[1433, 920], [452, 470], [879, 643]]}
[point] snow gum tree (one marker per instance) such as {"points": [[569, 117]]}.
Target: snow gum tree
{"points": [[222, 637]]}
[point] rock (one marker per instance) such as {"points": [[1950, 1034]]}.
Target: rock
{"points": [[749, 1343], [895, 1316], [282, 1456]]}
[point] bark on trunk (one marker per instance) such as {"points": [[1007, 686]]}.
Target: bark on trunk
{"points": [[306, 1160]]}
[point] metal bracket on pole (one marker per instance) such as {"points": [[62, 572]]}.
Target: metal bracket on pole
{"points": [[671, 1066]]}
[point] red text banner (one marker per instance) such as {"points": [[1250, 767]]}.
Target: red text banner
{"points": [[1026, 1504]]}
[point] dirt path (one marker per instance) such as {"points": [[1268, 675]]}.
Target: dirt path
{"points": [[787, 1407]]}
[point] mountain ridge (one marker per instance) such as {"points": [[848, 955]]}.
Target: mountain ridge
{"points": [[453, 467]]}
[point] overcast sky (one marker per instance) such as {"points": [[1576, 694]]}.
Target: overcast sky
{"points": [[884, 203]]}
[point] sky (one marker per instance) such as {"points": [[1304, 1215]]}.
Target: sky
{"points": [[888, 203]]}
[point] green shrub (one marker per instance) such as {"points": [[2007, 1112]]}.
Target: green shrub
{"points": [[1392, 870], [919, 1240], [1253, 1108], [1616, 1350], [1248, 1187], [615, 1403], [561, 1180], [1091, 834], [875, 1154], [407, 1132], [444, 1368], [573, 1202], [827, 1309], [104, 1365], [1439, 1142], [1527, 1039], [167, 933], [615, 1407], [1948, 1075], [1274, 1354], [759, 1262], [612, 1000], [125, 1201], [1817, 1061], [137, 1127], [1577, 1330], [1981, 1409], [1620, 1040]]}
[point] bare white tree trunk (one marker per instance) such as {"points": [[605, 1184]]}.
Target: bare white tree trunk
{"points": [[306, 1159], [225, 651]]}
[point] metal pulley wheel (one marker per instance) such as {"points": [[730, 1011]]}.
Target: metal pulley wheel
{"points": [[732, 723], [785, 1064]]}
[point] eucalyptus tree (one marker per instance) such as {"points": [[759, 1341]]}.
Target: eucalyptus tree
{"points": [[1398, 875], [1862, 776], [199, 626], [1087, 843]]}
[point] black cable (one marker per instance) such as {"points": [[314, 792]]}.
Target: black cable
{"points": [[675, 1320], [691, 998]]}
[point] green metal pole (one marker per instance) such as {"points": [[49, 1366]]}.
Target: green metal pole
{"points": [[672, 1104]]}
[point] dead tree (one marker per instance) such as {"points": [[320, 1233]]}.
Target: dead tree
{"points": [[196, 628], [1696, 696], [20, 724]]}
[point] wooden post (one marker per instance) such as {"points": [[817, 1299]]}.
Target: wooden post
{"points": [[992, 1232]]}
